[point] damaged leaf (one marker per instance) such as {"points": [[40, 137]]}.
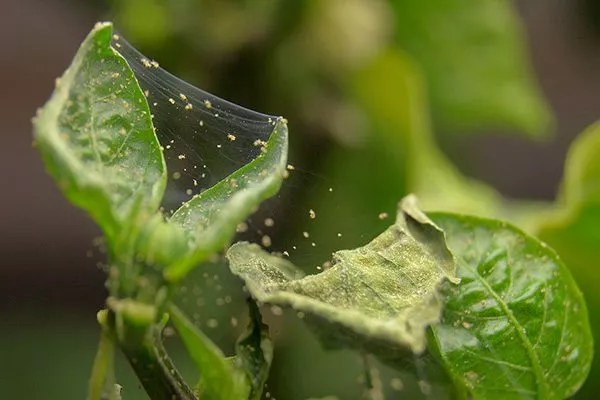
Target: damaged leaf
{"points": [[380, 297]]}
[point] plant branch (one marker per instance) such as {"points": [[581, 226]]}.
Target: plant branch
{"points": [[156, 371], [102, 370], [138, 334]]}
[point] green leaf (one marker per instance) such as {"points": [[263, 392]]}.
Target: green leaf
{"points": [[391, 91], [400, 146], [255, 352], [475, 64], [378, 297], [210, 218], [97, 140], [573, 225], [219, 380], [516, 326], [572, 228]]}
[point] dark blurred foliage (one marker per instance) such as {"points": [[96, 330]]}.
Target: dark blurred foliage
{"points": [[365, 84]]}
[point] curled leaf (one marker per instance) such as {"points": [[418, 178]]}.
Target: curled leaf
{"points": [[380, 297], [96, 137], [255, 352], [239, 377], [219, 380], [210, 218]]}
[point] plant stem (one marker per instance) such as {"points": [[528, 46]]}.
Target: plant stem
{"points": [[138, 334], [156, 371], [102, 369]]}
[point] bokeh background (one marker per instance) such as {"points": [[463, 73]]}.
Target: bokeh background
{"points": [[501, 87]]}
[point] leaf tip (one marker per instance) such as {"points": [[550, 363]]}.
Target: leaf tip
{"points": [[414, 220]]}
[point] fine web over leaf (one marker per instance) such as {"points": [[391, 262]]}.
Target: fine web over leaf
{"points": [[379, 298], [204, 138], [223, 160], [210, 218], [516, 326]]}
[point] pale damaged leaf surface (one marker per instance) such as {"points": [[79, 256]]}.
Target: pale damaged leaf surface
{"points": [[379, 297], [96, 137], [210, 218], [516, 326]]}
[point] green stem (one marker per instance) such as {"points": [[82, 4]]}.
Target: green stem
{"points": [[138, 334], [102, 369], [156, 371]]}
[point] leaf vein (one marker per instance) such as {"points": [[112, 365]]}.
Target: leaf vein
{"points": [[536, 367], [560, 343]]}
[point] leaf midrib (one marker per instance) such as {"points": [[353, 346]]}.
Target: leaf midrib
{"points": [[536, 366]]}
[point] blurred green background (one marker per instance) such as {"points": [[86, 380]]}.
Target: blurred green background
{"points": [[383, 97]]}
